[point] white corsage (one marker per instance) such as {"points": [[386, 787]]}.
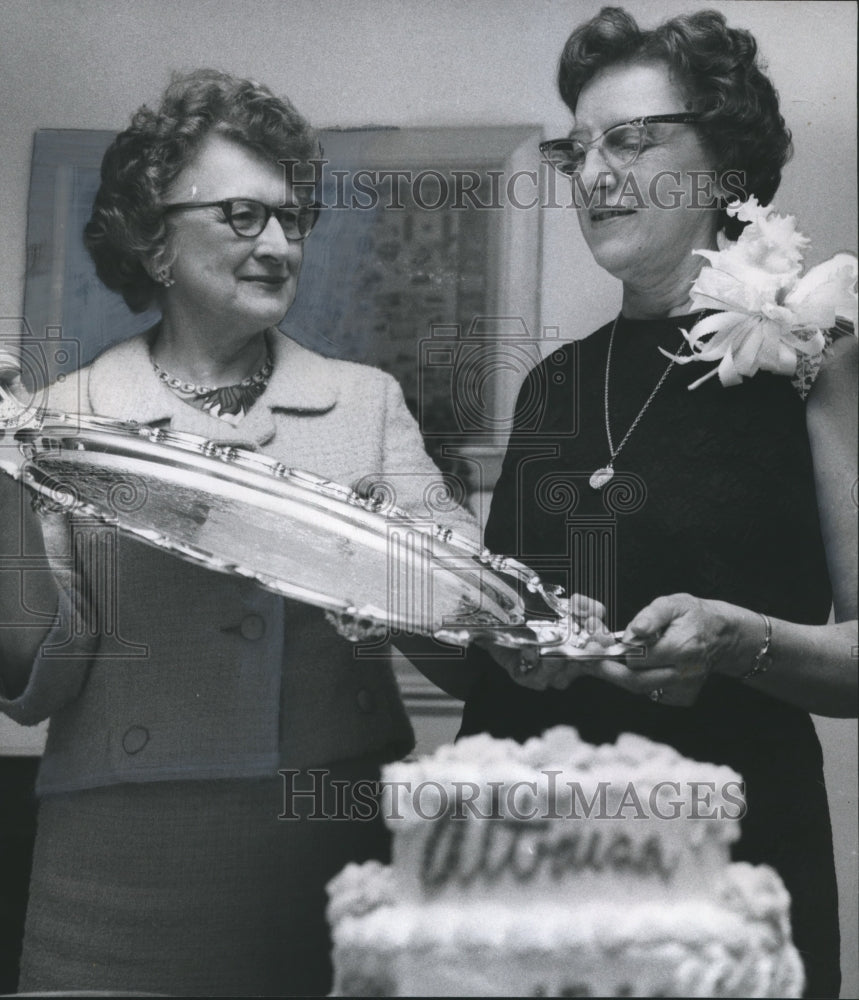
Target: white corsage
{"points": [[769, 317]]}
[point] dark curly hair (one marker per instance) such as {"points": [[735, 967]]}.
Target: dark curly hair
{"points": [[127, 226], [721, 78]]}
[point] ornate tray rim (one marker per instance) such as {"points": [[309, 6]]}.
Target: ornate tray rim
{"points": [[235, 463]]}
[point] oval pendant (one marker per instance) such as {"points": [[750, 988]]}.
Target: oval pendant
{"points": [[601, 477]]}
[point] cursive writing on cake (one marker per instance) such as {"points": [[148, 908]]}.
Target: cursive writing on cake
{"points": [[462, 852]]}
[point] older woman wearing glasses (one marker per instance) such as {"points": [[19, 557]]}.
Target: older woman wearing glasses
{"points": [[168, 858], [717, 524]]}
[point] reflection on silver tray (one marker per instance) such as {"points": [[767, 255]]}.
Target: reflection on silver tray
{"points": [[236, 511]]}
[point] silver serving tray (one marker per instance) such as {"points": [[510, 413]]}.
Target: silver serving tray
{"points": [[373, 568]]}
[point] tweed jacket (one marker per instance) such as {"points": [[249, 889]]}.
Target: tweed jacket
{"points": [[199, 674]]}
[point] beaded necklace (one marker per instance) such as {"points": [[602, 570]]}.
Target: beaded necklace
{"points": [[220, 401]]}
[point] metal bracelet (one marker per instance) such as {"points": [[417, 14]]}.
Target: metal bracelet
{"points": [[763, 659]]}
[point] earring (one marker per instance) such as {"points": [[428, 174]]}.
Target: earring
{"points": [[162, 276]]}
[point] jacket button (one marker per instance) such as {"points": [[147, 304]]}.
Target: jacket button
{"points": [[135, 739], [366, 701], [252, 627]]}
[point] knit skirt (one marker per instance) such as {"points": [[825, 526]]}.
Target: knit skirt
{"points": [[200, 888]]}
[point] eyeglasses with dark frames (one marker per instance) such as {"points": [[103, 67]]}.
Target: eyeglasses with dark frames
{"points": [[620, 145], [248, 217]]}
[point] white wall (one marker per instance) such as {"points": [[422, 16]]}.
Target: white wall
{"points": [[89, 63]]}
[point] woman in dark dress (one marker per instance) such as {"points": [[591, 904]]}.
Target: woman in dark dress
{"points": [[715, 525]]}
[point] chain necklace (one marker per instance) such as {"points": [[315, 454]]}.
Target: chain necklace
{"points": [[604, 475]]}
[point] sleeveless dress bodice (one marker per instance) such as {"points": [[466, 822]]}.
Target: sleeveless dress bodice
{"points": [[713, 495]]}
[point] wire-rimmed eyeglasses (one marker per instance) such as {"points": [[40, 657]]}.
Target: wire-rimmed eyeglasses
{"points": [[619, 145], [248, 217]]}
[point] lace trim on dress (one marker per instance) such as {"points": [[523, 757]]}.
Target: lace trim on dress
{"points": [[808, 365]]}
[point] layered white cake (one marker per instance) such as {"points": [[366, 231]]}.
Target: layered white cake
{"points": [[558, 868]]}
